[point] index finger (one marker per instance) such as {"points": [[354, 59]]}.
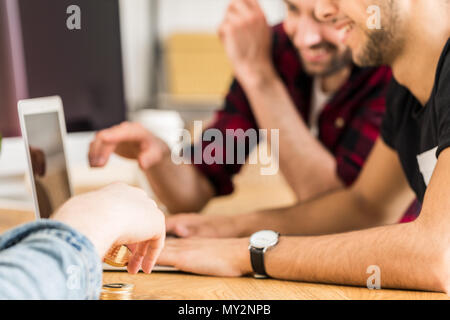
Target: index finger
{"points": [[124, 132], [154, 249], [99, 153]]}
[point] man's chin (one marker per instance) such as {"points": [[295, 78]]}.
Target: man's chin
{"points": [[364, 60], [357, 60], [315, 69], [367, 53]]}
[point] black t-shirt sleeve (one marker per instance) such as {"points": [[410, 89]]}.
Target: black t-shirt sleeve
{"points": [[442, 104], [389, 119]]}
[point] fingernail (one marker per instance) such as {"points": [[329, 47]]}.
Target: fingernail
{"points": [[183, 232]]}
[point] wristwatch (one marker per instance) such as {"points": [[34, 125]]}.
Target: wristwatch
{"points": [[260, 242]]}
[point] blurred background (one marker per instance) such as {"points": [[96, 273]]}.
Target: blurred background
{"points": [[158, 62], [130, 55]]}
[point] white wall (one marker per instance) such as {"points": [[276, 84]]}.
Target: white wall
{"points": [[174, 16], [137, 51], [205, 15]]}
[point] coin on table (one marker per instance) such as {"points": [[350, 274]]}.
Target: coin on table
{"points": [[118, 256], [117, 291]]}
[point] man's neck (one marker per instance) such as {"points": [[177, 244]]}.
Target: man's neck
{"points": [[332, 83], [416, 67]]}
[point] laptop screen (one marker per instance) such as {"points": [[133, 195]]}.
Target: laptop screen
{"points": [[48, 161]]}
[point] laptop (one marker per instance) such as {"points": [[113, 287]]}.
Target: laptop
{"points": [[44, 134]]}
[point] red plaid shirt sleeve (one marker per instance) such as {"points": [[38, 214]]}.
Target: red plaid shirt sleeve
{"points": [[235, 115], [350, 123]]}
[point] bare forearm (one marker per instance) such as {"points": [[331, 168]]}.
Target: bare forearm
{"points": [[302, 156], [182, 188], [340, 211], [405, 257]]}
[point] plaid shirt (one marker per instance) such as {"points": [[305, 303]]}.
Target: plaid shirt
{"points": [[348, 125]]}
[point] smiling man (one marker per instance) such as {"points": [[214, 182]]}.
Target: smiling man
{"points": [[411, 157]]}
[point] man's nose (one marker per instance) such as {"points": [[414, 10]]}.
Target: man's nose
{"points": [[326, 10], [308, 34]]}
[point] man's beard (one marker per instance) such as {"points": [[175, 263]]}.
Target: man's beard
{"points": [[375, 50], [338, 62], [382, 46]]}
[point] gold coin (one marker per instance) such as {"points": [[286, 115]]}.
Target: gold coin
{"points": [[118, 256], [117, 291], [118, 287], [116, 297]]}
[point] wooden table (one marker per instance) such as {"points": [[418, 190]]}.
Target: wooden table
{"points": [[167, 286], [190, 287], [252, 192]]}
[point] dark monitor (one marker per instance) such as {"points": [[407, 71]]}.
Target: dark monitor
{"points": [[83, 66]]}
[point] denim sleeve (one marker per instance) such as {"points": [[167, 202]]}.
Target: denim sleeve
{"points": [[47, 259]]}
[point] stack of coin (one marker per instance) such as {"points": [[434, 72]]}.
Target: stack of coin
{"points": [[118, 256], [117, 291]]}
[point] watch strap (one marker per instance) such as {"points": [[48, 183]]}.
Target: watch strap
{"points": [[257, 260]]}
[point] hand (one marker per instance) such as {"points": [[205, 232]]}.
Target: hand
{"points": [[117, 215], [129, 140], [247, 39], [195, 225], [213, 257]]}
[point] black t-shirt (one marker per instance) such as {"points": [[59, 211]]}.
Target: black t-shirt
{"points": [[419, 134]]}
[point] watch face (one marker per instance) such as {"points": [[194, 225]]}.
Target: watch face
{"points": [[264, 239]]}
